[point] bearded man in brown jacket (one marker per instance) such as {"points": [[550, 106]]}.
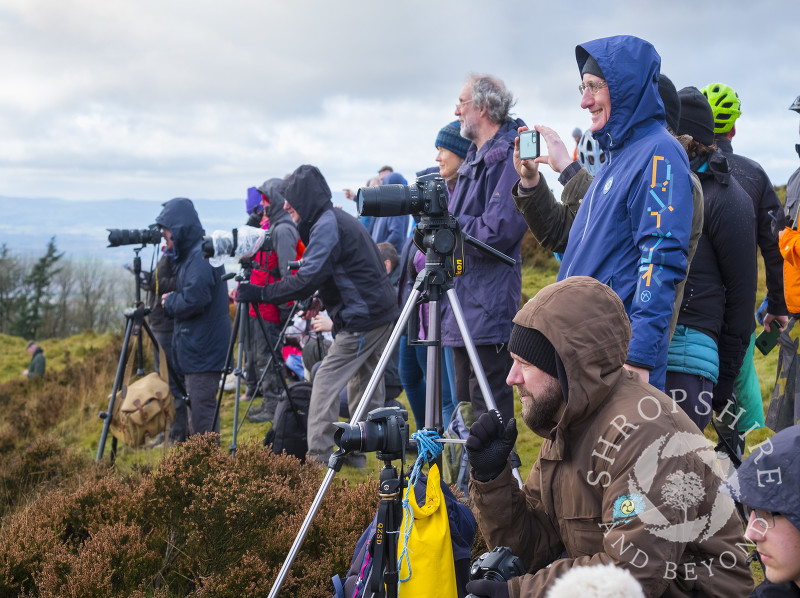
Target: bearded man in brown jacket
{"points": [[623, 476]]}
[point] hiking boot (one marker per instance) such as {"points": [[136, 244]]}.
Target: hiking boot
{"points": [[356, 460], [266, 413], [157, 441], [321, 460]]}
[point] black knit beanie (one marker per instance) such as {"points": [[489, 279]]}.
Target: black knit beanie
{"points": [[697, 119], [532, 346], [671, 101], [592, 68]]}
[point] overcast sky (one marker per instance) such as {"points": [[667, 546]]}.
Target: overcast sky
{"points": [[152, 99]]}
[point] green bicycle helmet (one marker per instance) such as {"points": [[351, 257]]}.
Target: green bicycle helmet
{"points": [[725, 105]]}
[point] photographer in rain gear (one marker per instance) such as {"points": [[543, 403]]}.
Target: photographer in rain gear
{"points": [[623, 476], [343, 263], [268, 268], [199, 306]]}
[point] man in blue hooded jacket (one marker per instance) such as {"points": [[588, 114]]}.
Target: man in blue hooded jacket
{"points": [[199, 306], [632, 229]]}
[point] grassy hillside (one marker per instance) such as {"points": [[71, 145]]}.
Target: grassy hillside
{"points": [[185, 521]]}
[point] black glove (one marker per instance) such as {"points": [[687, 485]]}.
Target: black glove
{"points": [[255, 218], [488, 588], [723, 392], [249, 293], [489, 444]]}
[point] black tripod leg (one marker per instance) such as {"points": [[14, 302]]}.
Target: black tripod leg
{"points": [[123, 359], [477, 367], [228, 359]]}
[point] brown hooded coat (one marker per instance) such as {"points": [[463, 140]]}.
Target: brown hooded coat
{"points": [[623, 477]]}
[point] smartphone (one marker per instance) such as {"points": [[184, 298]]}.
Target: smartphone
{"points": [[529, 145], [766, 341]]}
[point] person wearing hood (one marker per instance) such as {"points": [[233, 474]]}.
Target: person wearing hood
{"points": [[768, 483], [391, 229], [199, 307], [550, 220], [633, 227], [622, 477], [268, 268], [342, 262], [37, 365], [488, 290], [715, 319]]}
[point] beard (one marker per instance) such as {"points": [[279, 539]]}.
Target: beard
{"points": [[540, 410], [468, 130]]}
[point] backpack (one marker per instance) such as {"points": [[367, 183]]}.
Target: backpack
{"points": [[455, 463], [144, 408], [462, 533], [289, 425]]}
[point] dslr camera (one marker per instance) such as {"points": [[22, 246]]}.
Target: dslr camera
{"points": [[385, 431], [498, 565], [428, 195], [125, 236]]}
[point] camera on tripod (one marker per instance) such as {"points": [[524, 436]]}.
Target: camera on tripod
{"points": [[130, 236], [384, 431], [428, 195], [239, 243], [498, 565]]}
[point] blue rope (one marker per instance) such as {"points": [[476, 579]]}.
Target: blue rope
{"points": [[427, 450]]}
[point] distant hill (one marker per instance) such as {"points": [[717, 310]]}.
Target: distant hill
{"points": [[80, 226]]}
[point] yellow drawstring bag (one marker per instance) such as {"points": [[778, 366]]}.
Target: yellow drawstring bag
{"points": [[430, 550]]}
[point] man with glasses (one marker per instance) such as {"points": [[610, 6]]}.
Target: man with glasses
{"points": [[633, 226], [488, 290], [769, 483]]}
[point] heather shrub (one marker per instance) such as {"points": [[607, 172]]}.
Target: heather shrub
{"points": [[200, 524], [41, 463], [113, 561]]}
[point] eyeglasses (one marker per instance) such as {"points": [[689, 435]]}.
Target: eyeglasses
{"points": [[461, 104], [764, 520], [592, 86]]}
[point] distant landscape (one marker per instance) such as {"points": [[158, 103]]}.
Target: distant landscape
{"points": [[27, 224]]}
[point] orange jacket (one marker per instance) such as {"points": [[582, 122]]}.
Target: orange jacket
{"points": [[790, 250]]}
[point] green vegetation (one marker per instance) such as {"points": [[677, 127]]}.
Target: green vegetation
{"points": [[188, 520]]}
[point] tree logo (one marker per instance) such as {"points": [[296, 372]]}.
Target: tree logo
{"points": [[675, 517]]}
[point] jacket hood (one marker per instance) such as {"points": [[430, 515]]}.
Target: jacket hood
{"points": [[394, 178], [769, 479], [273, 190], [309, 195], [631, 67], [587, 325], [180, 218]]}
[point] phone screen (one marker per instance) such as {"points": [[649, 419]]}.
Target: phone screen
{"points": [[529, 145]]}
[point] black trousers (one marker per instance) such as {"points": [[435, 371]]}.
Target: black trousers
{"points": [[496, 362]]}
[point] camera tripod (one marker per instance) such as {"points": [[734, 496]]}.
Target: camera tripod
{"points": [[440, 236], [241, 330], [135, 323]]}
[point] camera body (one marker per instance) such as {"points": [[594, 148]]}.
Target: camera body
{"points": [[385, 431], [428, 195], [127, 236], [498, 565]]}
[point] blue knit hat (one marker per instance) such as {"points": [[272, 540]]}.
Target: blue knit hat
{"points": [[253, 199], [450, 138]]}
